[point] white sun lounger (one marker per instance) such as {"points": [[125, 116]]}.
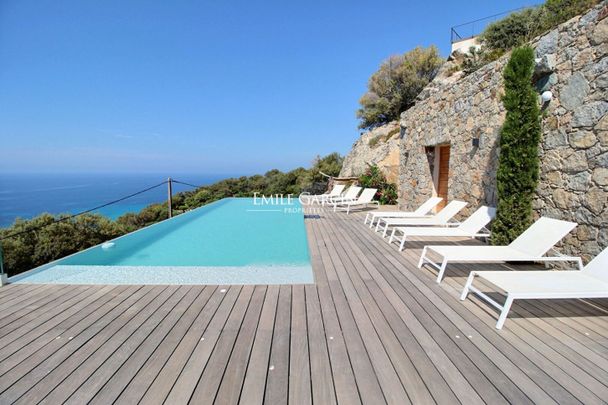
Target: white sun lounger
{"points": [[336, 191], [590, 282], [442, 218], [420, 212], [530, 246], [364, 200], [472, 227], [349, 195]]}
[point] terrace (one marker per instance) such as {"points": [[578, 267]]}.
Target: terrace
{"points": [[373, 328]]}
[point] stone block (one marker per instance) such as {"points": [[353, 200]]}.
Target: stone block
{"points": [[579, 181], [595, 200], [574, 92], [599, 34], [582, 139], [589, 114], [600, 176], [547, 44]]}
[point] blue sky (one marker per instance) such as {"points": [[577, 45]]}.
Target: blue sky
{"points": [[233, 87]]}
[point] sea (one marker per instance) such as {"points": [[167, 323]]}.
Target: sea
{"points": [[28, 195]]}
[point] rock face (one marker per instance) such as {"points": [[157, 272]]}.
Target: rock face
{"points": [[573, 65], [380, 147]]}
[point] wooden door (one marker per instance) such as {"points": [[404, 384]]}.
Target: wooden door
{"points": [[443, 175]]}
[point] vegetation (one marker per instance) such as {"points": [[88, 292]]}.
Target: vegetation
{"points": [[513, 30], [518, 167], [520, 27], [52, 240], [394, 87], [373, 178], [48, 240]]}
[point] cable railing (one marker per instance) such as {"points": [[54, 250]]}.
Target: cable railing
{"points": [[169, 182]]}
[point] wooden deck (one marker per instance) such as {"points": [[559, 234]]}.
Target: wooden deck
{"points": [[373, 329]]}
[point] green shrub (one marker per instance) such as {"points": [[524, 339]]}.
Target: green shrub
{"points": [[556, 12], [518, 167], [52, 240], [513, 30], [394, 87], [520, 27], [374, 178]]}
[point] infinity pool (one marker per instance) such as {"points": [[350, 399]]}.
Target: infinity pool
{"points": [[232, 241]]}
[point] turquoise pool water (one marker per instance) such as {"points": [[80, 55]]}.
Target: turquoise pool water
{"points": [[232, 241]]}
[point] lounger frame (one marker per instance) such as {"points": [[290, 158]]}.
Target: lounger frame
{"points": [[421, 212], [511, 296], [484, 233], [424, 259], [364, 200]]}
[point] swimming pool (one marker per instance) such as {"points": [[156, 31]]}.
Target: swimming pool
{"points": [[231, 241]]}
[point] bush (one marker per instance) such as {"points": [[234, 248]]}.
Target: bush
{"points": [[394, 87], [513, 30], [556, 12], [520, 27], [373, 178], [518, 167], [53, 240]]}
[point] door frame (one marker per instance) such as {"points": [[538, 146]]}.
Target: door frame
{"points": [[436, 168]]}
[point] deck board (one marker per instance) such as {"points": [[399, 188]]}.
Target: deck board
{"points": [[372, 329]]}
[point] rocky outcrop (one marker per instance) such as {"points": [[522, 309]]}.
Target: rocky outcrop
{"points": [[572, 63], [380, 147]]}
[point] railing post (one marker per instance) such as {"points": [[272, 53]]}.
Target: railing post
{"points": [[3, 275], [169, 194]]}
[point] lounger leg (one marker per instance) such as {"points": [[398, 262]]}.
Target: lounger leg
{"points": [[580, 263], [371, 222], [335, 207], [366, 216], [444, 264], [422, 257], [385, 230], [348, 208], [468, 284], [390, 240], [505, 311], [402, 245], [378, 224]]}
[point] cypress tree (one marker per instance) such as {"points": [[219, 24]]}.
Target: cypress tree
{"points": [[518, 167]]}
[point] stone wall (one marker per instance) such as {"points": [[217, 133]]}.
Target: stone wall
{"points": [[380, 147], [573, 65]]}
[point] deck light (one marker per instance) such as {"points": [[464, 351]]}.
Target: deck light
{"points": [[546, 96]]}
